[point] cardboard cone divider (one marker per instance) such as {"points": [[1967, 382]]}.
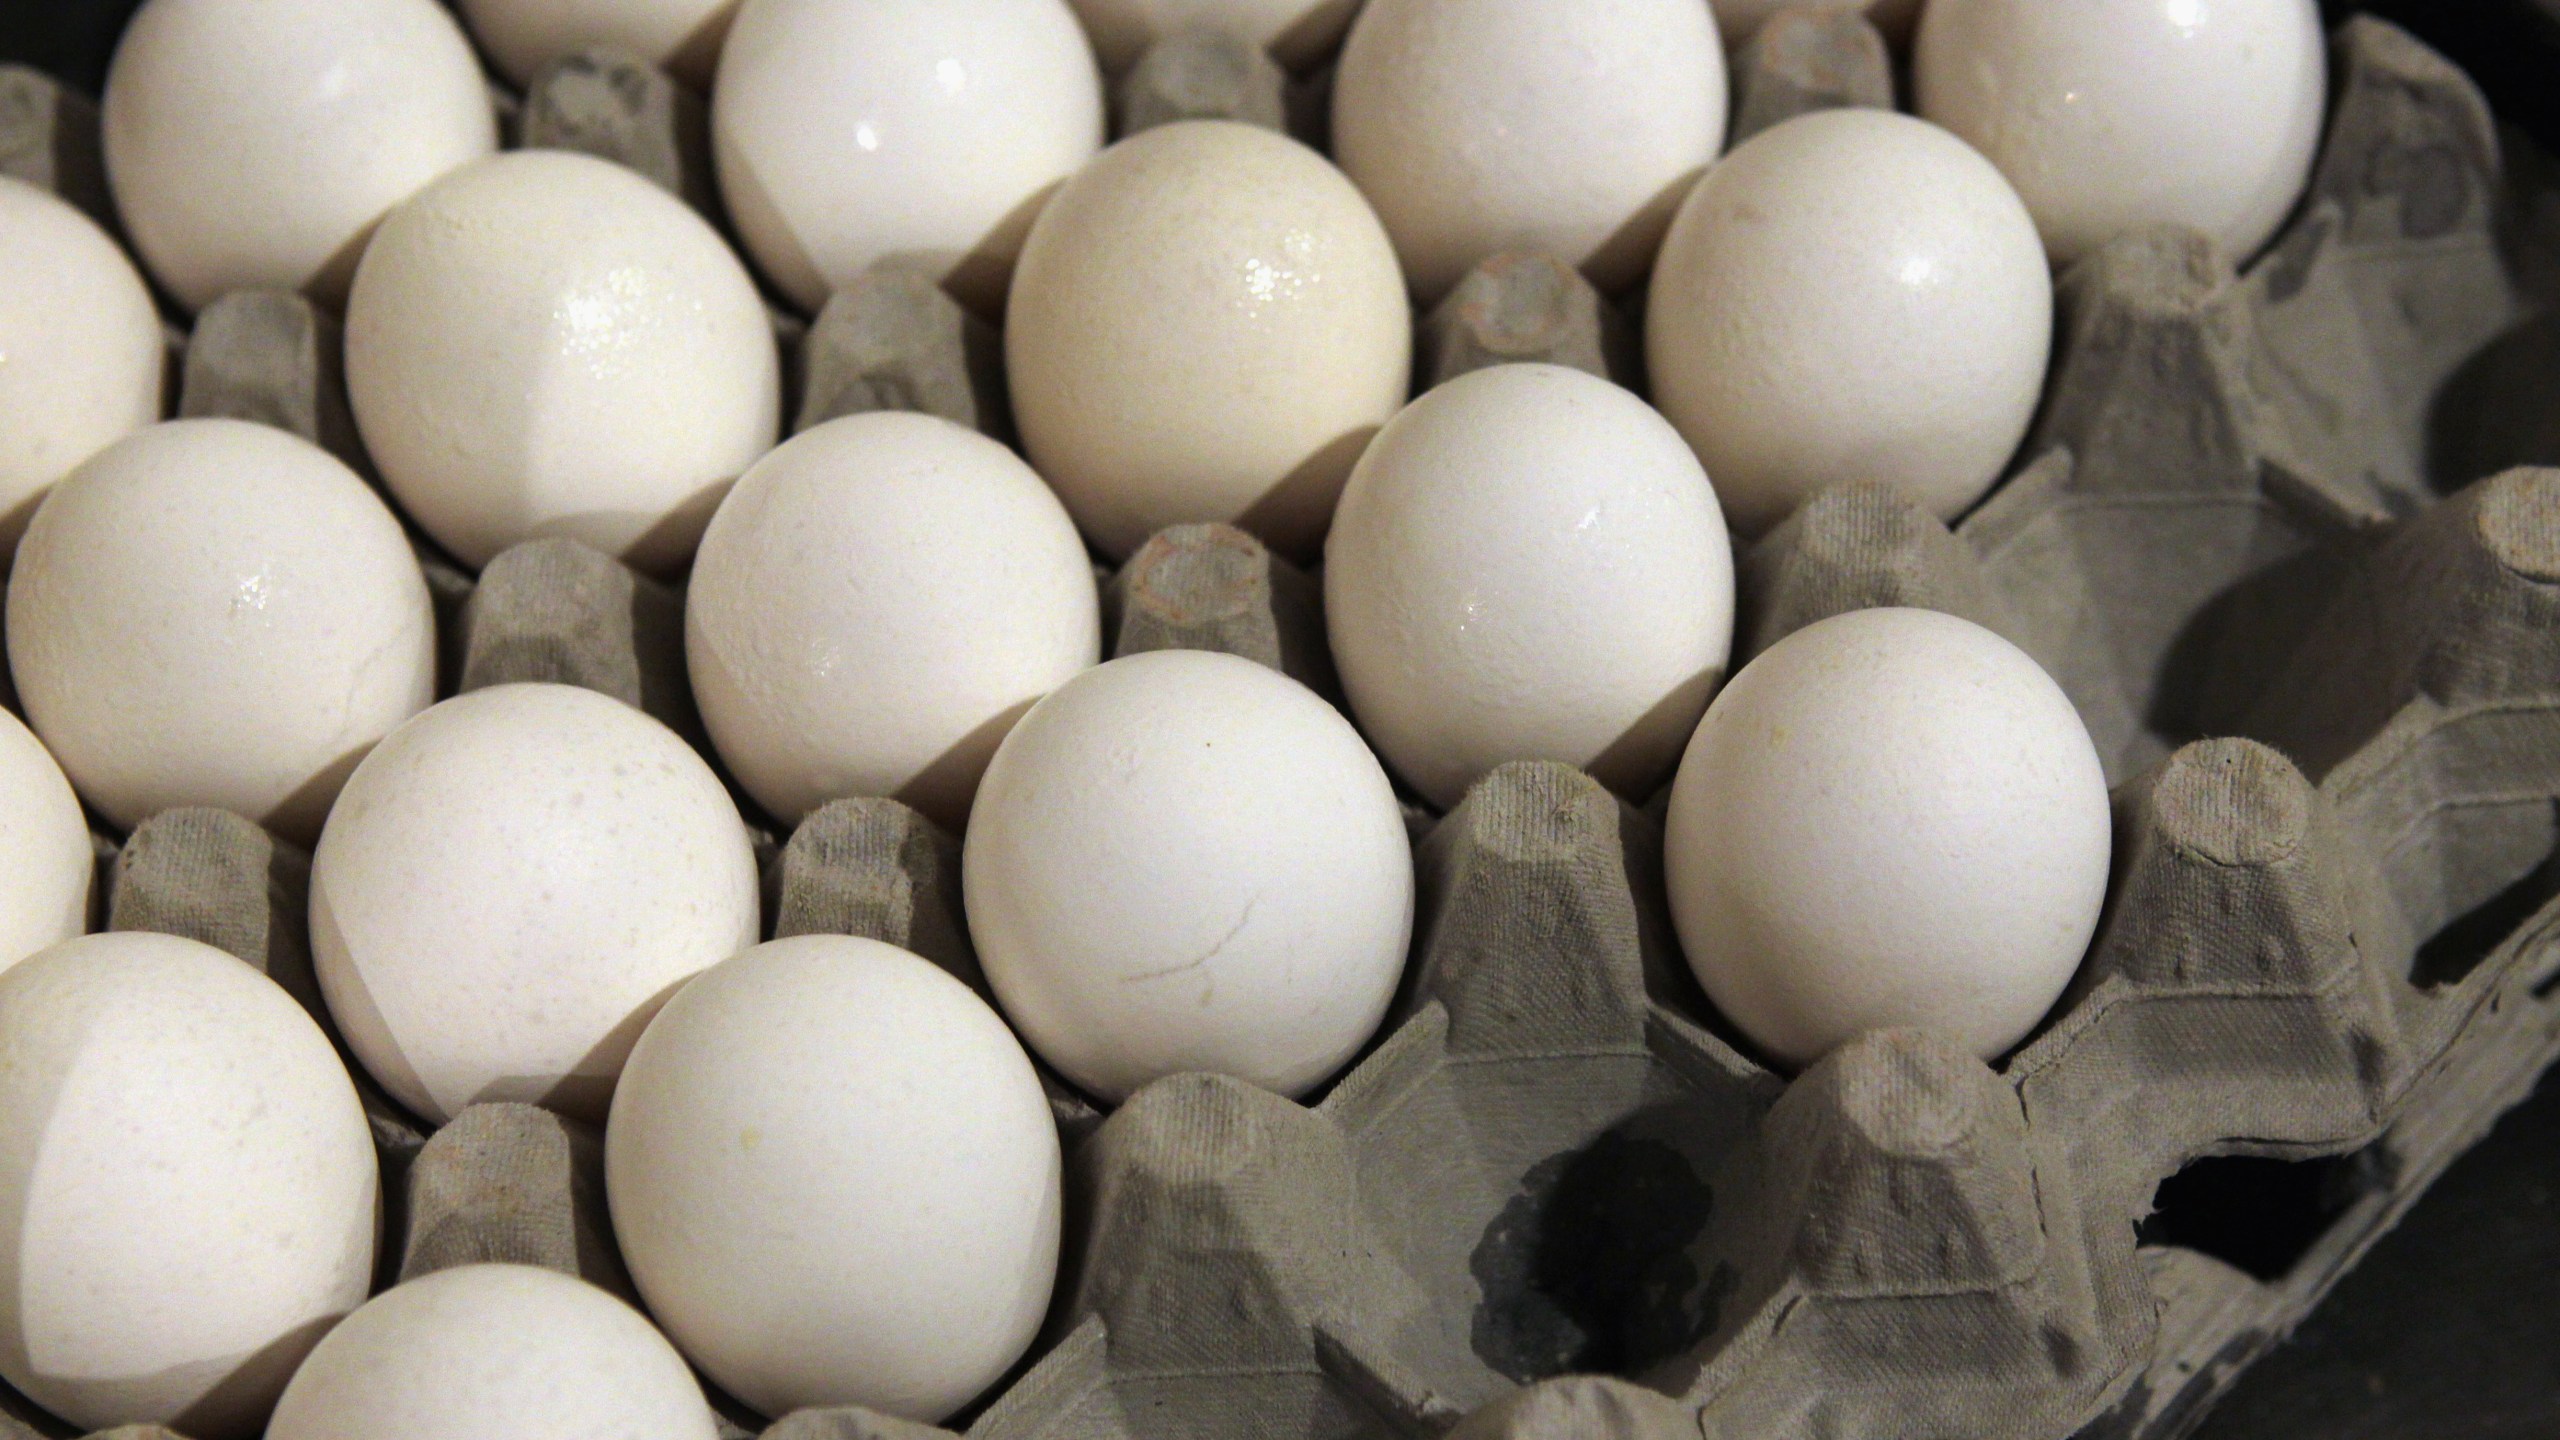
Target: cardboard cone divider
{"points": [[1557, 1198]]}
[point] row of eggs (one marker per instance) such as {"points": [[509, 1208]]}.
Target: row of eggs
{"points": [[831, 1167], [251, 144], [1203, 323]]}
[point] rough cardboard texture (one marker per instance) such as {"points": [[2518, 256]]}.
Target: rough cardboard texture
{"points": [[273, 357], [49, 139], [875, 868], [621, 108], [1805, 60], [1529, 309], [1214, 587], [894, 339], [512, 1184], [1201, 75], [560, 611]]}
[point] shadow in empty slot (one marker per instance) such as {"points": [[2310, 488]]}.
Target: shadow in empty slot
{"points": [[2258, 1215], [2509, 854]]}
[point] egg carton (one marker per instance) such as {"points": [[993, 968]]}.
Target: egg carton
{"points": [[1554, 1162]]}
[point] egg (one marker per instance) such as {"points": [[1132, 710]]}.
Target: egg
{"points": [[1891, 818], [2112, 115], [1529, 565], [1483, 126], [1850, 295], [924, 133], [1184, 861], [1207, 324], [545, 344], [1298, 33], [254, 144], [511, 885], [493, 1352], [47, 862], [81, 355], [875, 605], [191, 1185], [1742, 19], [681, 37], [837, 1181], [212, 612]]}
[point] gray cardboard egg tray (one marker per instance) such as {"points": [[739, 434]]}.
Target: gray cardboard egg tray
{"points": [[1558, 1199]]}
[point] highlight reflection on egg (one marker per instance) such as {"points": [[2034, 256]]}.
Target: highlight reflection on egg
{"points": [[922, 133], [1850, 295], [1207, 324], [544, 343], [254, 144]]}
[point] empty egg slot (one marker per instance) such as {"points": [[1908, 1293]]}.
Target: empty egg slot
{"points": [[2259, 1215], [2492, 866]]}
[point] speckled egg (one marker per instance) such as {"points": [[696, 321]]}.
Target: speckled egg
{"points": [[875, 605], [511, 885], [212, 612], [192, 1187]]}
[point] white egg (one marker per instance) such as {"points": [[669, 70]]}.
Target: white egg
{"points": [[253, 144], [1207, 324], [2110, 115], [1890, 818], [191, 1185], [1850, 295], [546, 344], [1529, 565], [1483, 126], [1183, 861], [494, 1352], [875, 605], [681, 37], [1296, 32], [212, 612], [81, 355], [47, 864], [1742, 19], [924, 133], [837, 1180], [511, 885]]}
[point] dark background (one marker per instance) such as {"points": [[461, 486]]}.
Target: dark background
{"points": [[2450, 1330]]}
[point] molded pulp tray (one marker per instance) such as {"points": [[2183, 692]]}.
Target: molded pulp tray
{"points": [[2327, 965]]}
